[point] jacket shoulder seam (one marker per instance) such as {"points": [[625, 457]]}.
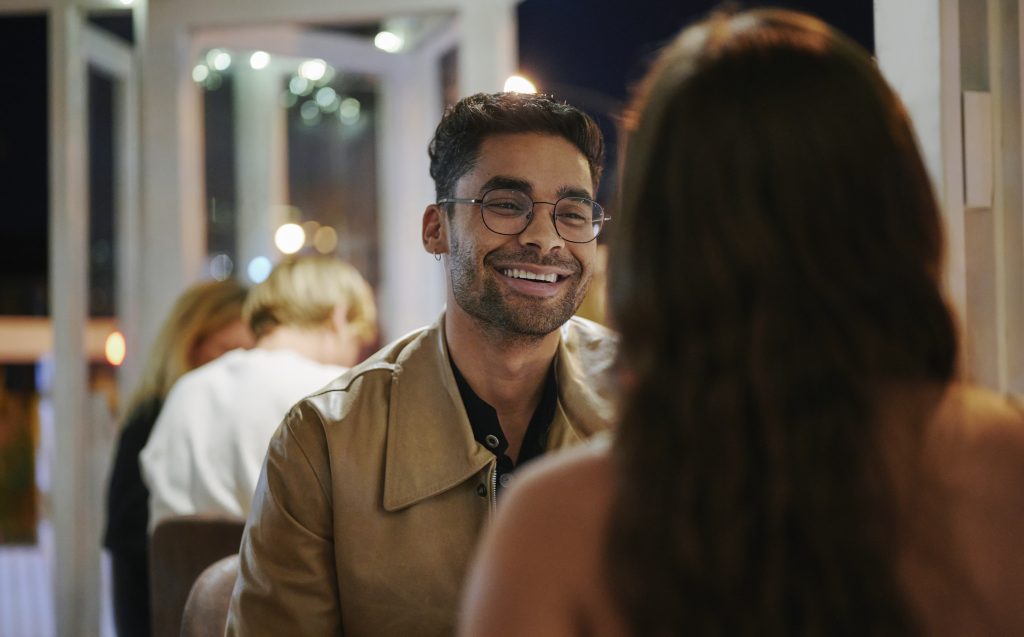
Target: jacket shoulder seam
{"points": [[354, 375]]}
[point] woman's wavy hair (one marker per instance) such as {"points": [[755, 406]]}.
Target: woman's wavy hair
{"points": [[777, 261], [202, 310]]}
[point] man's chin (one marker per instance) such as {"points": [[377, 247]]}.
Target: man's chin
{"points": [[537, 319]]}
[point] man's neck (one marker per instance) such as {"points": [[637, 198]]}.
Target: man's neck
{"points": [[506, 373]]}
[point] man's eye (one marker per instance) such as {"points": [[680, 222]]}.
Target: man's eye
{"points": [[572, 218], [506, 207]]}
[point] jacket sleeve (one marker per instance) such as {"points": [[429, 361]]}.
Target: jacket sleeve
{"points": [[287, 582]]}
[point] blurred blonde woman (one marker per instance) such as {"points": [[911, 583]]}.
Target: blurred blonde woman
{"points": [[795, 453], [313, 317], [205, 322]]}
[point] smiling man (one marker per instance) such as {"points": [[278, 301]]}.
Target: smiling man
{"points": [[375, 489]]}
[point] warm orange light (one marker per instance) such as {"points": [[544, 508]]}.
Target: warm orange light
{"points": [[115, 348]]}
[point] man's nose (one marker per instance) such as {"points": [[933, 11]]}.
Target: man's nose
{"points": [[540, 231]]}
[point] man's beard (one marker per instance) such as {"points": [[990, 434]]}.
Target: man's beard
{"points": [[516, 316]]}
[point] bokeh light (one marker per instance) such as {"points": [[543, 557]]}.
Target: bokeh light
{"points": [[259, 269], [221, 266], [348, 111], [388, 41], [325, 240], [519, 84], [299, 85], [310, 113], [325, 96], [313, 70], [290, 237], [114, 348], [220, 61], [259, 60], [200, 73]]}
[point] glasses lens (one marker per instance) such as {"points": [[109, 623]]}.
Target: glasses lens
{"points": [[578, 219], [506, 211]]}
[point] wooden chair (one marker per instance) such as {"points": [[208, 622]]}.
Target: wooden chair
{"points": [[206, 611], [179, 550]]}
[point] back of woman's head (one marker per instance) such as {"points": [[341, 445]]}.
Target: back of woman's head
{"points": [[200, 312], [776, 261], [303, 293]]}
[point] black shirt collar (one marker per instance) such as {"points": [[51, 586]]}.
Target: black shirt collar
{"points": [[487, 430]]}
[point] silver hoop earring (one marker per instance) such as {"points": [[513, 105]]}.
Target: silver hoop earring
{"points": [[437, 257]]}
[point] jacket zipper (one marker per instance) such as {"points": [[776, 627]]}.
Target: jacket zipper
{"points": [[494, 488]]}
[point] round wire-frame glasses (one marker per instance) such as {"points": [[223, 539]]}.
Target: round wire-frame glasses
{"points": [[509, 212]]}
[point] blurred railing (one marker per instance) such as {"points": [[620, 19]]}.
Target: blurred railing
{"points": [[25, 339]]}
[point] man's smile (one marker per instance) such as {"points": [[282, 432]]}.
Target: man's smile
{"points": [[517, 273]]}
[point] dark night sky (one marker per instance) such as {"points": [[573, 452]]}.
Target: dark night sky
{"points": [[592, 52], [599, 45], [588, 52], [23, 144]]}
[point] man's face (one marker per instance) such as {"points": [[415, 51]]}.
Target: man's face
{"points": [[496, 278]]}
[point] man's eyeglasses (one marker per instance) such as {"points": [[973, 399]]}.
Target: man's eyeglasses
{"points": [[509, 212]]}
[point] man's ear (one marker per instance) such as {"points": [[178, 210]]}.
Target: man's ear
{"points": [[435, 230]]}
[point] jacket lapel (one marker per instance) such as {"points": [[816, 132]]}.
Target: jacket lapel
{"points": [[430, 444], [582, 369]]}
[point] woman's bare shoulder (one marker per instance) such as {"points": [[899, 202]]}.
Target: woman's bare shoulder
{"points": [[539, 564], [582, 472], [981, 434], [977, 452]]}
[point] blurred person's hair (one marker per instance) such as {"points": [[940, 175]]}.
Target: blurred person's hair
{"points": [[455, 148], [304, 291], [774, 270], [201, 311]]}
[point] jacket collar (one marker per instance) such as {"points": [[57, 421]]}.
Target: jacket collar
{"points": [[430, 444]]}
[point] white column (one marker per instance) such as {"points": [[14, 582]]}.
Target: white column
{"points": [[1005, 72], [412, 289], [917, 43], [488, 51], [116, 59], [76, 568], [173, 206], [261, 161]]}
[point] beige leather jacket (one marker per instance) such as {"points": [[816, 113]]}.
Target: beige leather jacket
{"points": [[374, 492]]}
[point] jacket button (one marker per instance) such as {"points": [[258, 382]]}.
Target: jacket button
{"points": [[492, 441], [481, 490]]}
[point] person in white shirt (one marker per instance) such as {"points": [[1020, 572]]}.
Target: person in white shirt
{"points": [[312, 318]]}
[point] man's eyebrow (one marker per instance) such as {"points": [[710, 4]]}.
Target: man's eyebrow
{"points": [[574, 191], [514, 183], [503, 181]]}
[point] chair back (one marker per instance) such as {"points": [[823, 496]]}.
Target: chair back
{"points": [[180, 549], [206, 611]]}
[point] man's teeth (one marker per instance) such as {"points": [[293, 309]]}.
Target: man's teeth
{"points": [[523, 274]]}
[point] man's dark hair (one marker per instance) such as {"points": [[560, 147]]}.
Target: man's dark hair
{"points": [[464, 126]]}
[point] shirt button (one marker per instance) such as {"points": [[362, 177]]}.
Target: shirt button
{"points": [[492, 441], [505, 479], [481, 490]]}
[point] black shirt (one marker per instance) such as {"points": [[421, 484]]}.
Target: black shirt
{"points": [[487, 430]]}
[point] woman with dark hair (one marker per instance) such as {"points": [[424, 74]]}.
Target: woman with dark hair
{"points": [[795, 452]]}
